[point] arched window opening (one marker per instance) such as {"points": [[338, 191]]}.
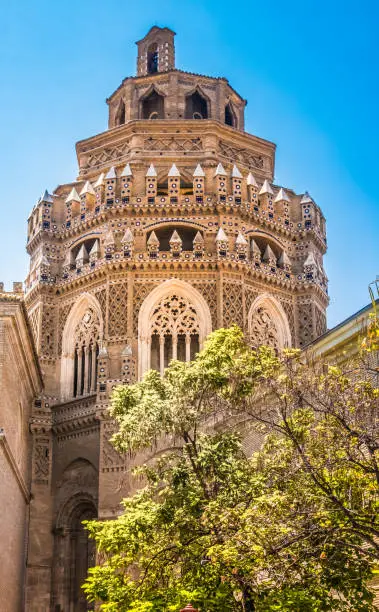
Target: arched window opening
{"points": [[262, 243], [230, 118], [173, 331], [153, 106], [196, 107], [83, 556], [86, 353], [88, 244], [120, 115], [187, 234], [152, 59]]}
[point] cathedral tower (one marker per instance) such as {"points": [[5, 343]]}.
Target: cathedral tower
{"points": [[172, 228]]}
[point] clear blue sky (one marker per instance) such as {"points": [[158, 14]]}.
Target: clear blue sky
{"points": [[309, 70]]}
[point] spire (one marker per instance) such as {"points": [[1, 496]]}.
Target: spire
{"points": [[87, 188], [111, 173], [198, 238], [254, 249], [306, 199], [95, 250], [127, 171], [69, 259], [73, 196], [175, 238], [241, 239], [251, 180], [221, 236], [220, 170], [310, 261], [153, 238], [100, 180], [269, 255], [173, 171], [266, 188], [127, 237], [282, 196], [82, 254], [198, 171], [151, 171], [284, 260], [46, 197], [236, 173], [109, 237]]}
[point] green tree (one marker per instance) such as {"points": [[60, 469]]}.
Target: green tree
{"points": [[294, 527]]}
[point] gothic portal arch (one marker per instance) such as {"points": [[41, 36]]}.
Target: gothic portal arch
{"points": [[81, 338], [173, 322], [268, 323], [74, 553]]}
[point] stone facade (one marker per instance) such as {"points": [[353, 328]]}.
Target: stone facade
{"points": [[20, 383], [173, 228]]}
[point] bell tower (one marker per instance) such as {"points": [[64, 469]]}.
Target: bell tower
{"points": [[156, 52]]}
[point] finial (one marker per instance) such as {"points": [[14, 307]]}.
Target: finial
{"points": [[251, 180], [173, 171], [73, 196], [151, 171], [220, 170], [266, 188], [87, 188], [198, 171], [127, 171], [221, 236], [236, 173], [111, 173], [282, 196]]}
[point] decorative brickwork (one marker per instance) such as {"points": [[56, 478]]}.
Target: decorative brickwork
{"points": [[305, 323], [118, 310], [48, 330], [208, 290], [232, 304], [141, 290]]}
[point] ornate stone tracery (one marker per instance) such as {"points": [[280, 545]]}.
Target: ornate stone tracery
{"points": [[173, 322], [82, 336], [263, 329], [268, 323]]}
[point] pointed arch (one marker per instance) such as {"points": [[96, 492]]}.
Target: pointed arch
{"points": [[120, 113], [150, 315], [86, 306], [268, 323], [197, 105], [230, 115], [152, 104]]}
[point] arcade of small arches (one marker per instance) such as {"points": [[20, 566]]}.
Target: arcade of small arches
{"points": [[174, 321], [196, 104]]}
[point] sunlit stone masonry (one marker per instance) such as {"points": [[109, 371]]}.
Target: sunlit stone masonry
{"points": [[172, 228]]}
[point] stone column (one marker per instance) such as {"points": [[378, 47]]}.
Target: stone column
{"points": [[188, 347], [161, 354], [93, 368]]}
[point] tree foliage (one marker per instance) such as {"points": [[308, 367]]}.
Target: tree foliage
{"points": [[294, 526]]}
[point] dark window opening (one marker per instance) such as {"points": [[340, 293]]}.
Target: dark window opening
{"points": [[196, 107], [120, 115], [153, 106], [230, 118], [152, 59], [187, 234]]}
